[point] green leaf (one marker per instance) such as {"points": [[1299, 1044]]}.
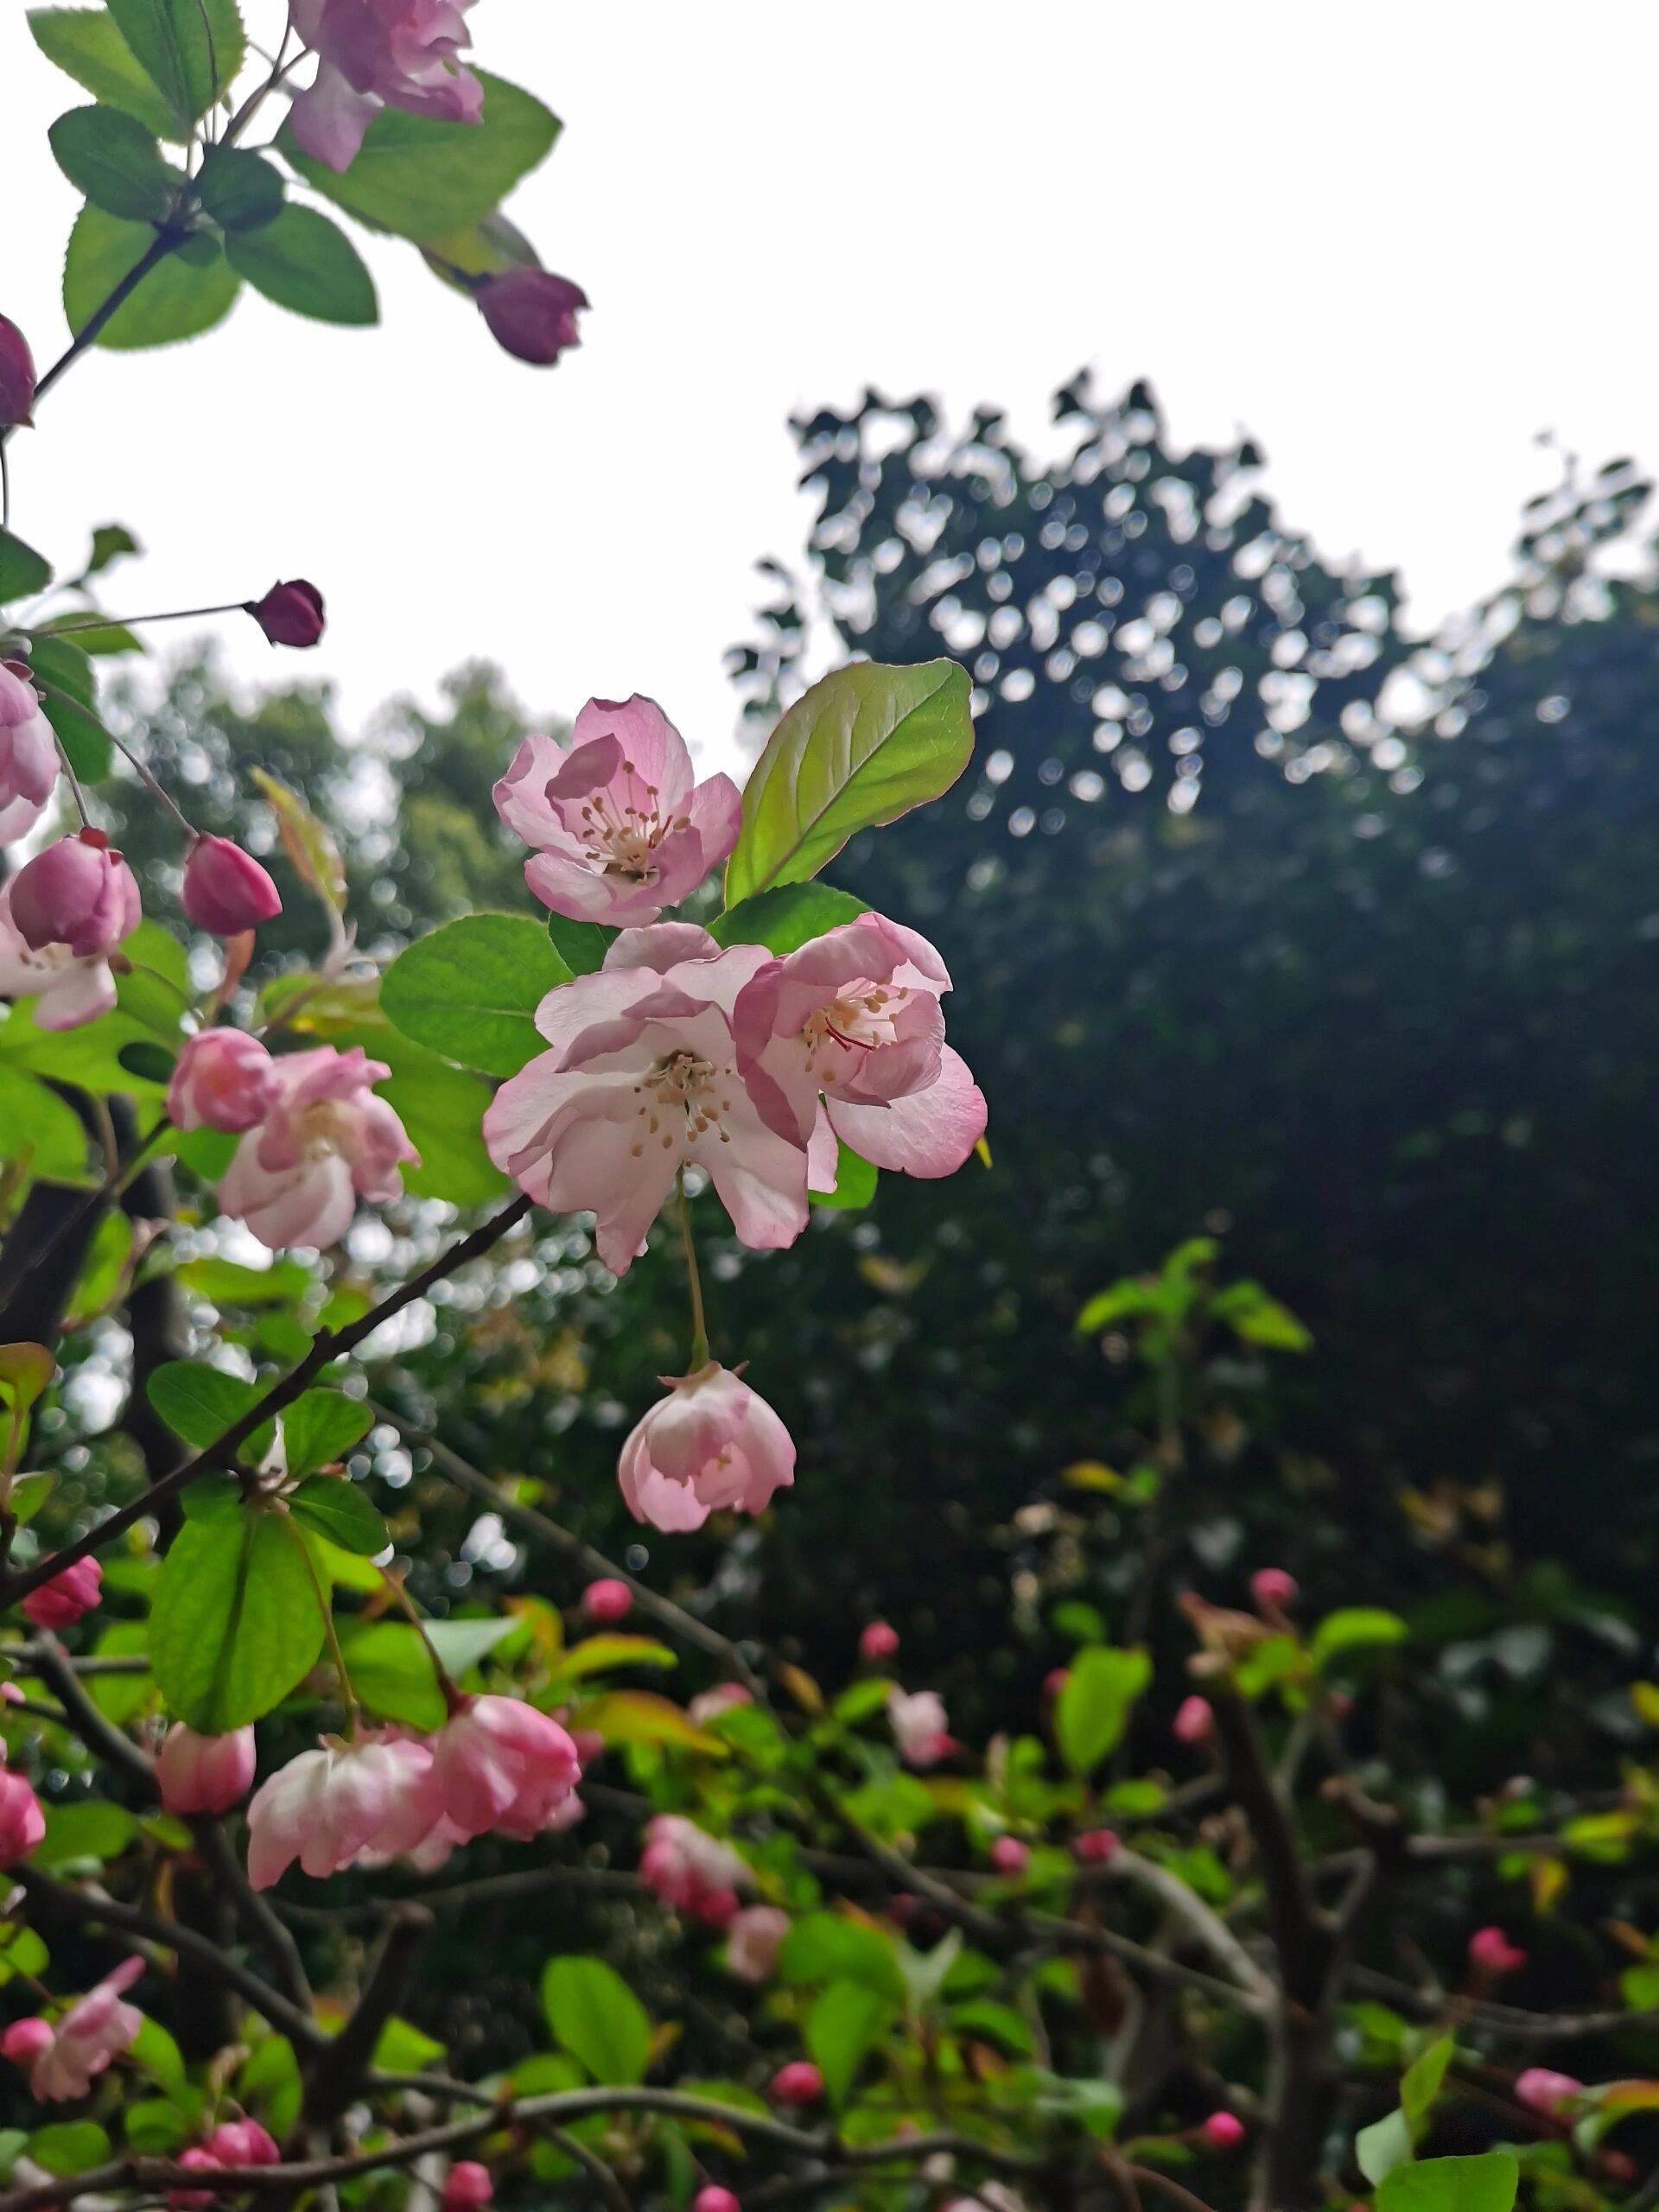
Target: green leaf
{"points": [[581, 945], [862, 747], [855, 1180], [597, 2018], [237, 1620], [22, 570], [842, 2026], [1250, 1312], [420, 178], [20, 1952], [1422, 2084], [37, 1125], [111, 542], [115, 161], [470, 990], [642, 1716], [596, 1654], [307, 264], [69, 701], [156, 2127], [404, 2050], [85, 1829], [69, 2146], [823, 1947], [392, 1671], [178, 299], [339, 1510], [1093, 1709], [227, 1282], [154, 2049], [190, 50], [240, 190], [1383, 2146], [86, 44], [322, 1426], [787, 917], [443, 1108], [1486, 2183], [1355, 1628], [199, 1402], [983, 2016], [122, 1697]]}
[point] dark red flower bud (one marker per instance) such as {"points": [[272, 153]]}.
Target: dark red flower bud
{"points": [[289, 614], [17, 375], [531, 312]]}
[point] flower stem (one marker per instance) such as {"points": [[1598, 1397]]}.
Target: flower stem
{"points": [[446, 1681], [699, 1325], [348, 1696]]}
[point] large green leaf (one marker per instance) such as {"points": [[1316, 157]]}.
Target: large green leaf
{"points": [[825, 1947], [84, 1828], [421, 178], [471, 989], [581, 945], [189, 49], [237, 1620], [598, 2019], [862, 747], [843, 2025], [37, 1124], [443, 1108], [1486, 2183], [86, 44], [322, 1426], [788, 917], [306, 263], [1093, 1708], [69, 700], [340, 1510], [199, 1402], [22, 570], [1355, 1628], [89, 1055], [112, 158], [180, 298], [393, 1674]]}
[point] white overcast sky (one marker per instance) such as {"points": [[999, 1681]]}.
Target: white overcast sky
{"points": [[1393, 245]]}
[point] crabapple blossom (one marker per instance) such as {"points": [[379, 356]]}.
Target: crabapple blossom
{"points": [[243, 2143], [225, 890], [797, 2083], [289, 614], [641, 1081], [497, 1763], [532, 314], [692, 1870], [467, 2187], [621, 828], [204, 1774], [224, 1079], [1095, 1846], [715, 2198], [68, 991], [844, 1038], [199, 2160], [372, 54], [1224, 2130], [78, 894], [17, 375], [1194, 1721], [607, 1599], [325, 1139], [877, 1640], [66, 2056], [28, 753], [22, 1822], [71, 1592], [712, 1443], [1541, 2089], [1492, 1953], [752, 1940], [1010, 1855], [920, 1726], [1273, 1590], [326, 1805], [708, 1705]]}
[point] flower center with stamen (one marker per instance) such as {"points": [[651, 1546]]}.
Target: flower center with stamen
{"points": [[324, 1127], [862, 1021], [622, 839], [682, 1097]]}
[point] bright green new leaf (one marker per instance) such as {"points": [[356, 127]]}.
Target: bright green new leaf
{"points": [[642, 1716], [22, 1951], [337, 1508], [391, 1670], [597, 1654], [86, 44], [240, 190], [843, 2025], [421, 178], [227, 1282], [856, 1181], [156, 2127], [862, 747], [306, 263], [1093, 1709], [22, 570], [826, 1947], [1422, 2084], [403, 2049], [470, 990], [37, 1125], [787, 917], [1383, 2146], [581, 945], [115, 161], [189, 49], [85, 1829], [597, 2018], [237, 1620], [179, 298], [306, 840], [1355, 1628], [322, 1426], [1486, 2183]]}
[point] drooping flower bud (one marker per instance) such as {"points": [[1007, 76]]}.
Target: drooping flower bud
{"points": [[22, 1822], [81, 2043], [713, 1442], [204, 1774], [1194, 1722], [225, 890], [290, 613], [78, 893], [1224, 2130], [225, 1080], [467, 2187], [1541, 2089], [60, 1602], [1095, 1846], [1274, 1590], [17, 375], [878, 1640], [532, 314], [1492, 1953], [607, 1599], [715, 2198], [797, 2083], [28, 753], [243, 2143], [497, 1763]]}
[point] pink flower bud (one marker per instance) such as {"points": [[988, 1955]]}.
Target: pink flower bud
{"points": [[498, 1762], [753, 1940], [17, 375], [60, 1602], [1010, 1856], [879, 1640], [289, 614], [607, 1599], [467, 2187], [532, 314], [205, 1774], [797, 2083], [1273, 1590], [1224, 2130], [716, 2199], [22, 1822], [24, 2040], [194, 2200], [243, 2143], [1095, 1846], [1490, 1952], [225, 1079], [1055, 1680], [714, 1908], [1194, 1721], [225, 890], [1541, 2089], [78, 893]]}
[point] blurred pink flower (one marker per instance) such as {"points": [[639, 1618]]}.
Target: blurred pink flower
{"points": [[28, 753], [920, 1726], [1541, 2089], [380, 52], [692, 1870], [467, 2187], [498, 1762], [225, 1080], [66, 2056], [1492, 1953], [877, 1640], [327, 1138], [1224, 2130], [1010, 1856], [712, 1444], [22, 1822], [204, 1774], [326, 1805], [1273, 1590], [708, 1705], [1194, 1722], [753, 1939], [69, 990], [60, 1602], [607, 1599], [797, 2083]]}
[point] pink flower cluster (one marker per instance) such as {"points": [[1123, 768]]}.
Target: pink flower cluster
{"points": [[65, 2056], [316, 1136], [692, 1870], [375, 54], [233, 2144], [496, 1763], [28, 753], [61, 917]]}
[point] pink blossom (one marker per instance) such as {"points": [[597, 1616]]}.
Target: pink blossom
{"points": [[17, 375], [22, 1822], [1224, 2130], [692, 1870], [845, 1038], [1541, 2089], [68, 991], [204, 1774], [797, 2083], [643, 1079], [243, 2143], [60, 1602], [467, 2187], [499, 1764], [1010, 1856], [1492, 1953], [621, 829], [715, 2198], [65, 2060], [289, 614], [380, 52], [28, 753], [225, 1079], [607, 1599], [532, 314], [1095, 1846], [752, 1940], [327, 1806], [326, 1139], [194, 2200], [878, 1640], [1194, 1722], [920, 1726], [78, 894], [708, 1705], [1273, 1590], [712, 1444], [225, 890]]}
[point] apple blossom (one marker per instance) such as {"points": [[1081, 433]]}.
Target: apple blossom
{"points": [[326, 1138], [708, 1705], [532, 314], [467, 2187], [1224, 2130], [853, 1019], [1095, 1846], [878, 1640], [715, 2198], [17, 375], [1194, 1721], [289, 614], [692, 1870], [224, 1079], [607, 1599], [68, 991], [712, 1444], [326, 1805], [642, 1080], [1492, 1953], [372, 54], [752, 1940], [621, 829], [1010, 1856], [1272, 1590], [243, 2143], [28, 753], [497, 1763], [65, 2059], [920, 1726], [1541, 2089], [797, 2083], [204, 1774], [22, 1822], [71, 1592], [78, 894], [225, 890]]}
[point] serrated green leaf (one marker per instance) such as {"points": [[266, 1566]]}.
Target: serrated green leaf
{"points": [[115, 161], [86, 44], [178, 298], [322, 1426], [190, 50], [240, 190], [470, 989], [598, 2019], [786, 918], [307, 265], [338, 1509], [237, 1620]]}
